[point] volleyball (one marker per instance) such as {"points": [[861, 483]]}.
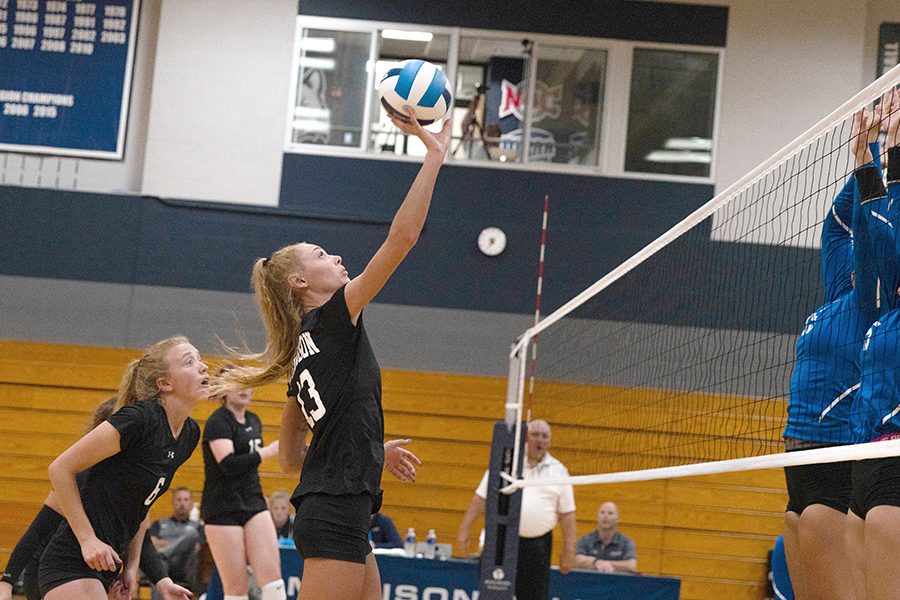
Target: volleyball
{"points": [[419, 84]]}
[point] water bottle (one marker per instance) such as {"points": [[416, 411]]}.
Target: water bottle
{"points": [[409, 545], [430, 543], [194, 517]]}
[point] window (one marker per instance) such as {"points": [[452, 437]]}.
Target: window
{"points": [[671, 112], [577, 121], [488, 114], [395, 46], [331, 87], [567, 104]]}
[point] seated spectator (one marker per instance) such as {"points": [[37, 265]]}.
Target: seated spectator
{"points": [[384, 533], [282, 514], [177, 539], [606, 549]]}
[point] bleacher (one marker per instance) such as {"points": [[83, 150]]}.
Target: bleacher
{"points": [[713, 532]]}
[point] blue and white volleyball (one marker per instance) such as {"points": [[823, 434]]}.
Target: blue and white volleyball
{"points": [[419, 84]]}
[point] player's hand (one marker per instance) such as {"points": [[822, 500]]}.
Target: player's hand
{"points": [[400, 462], [172, 591], [100, 556], [865, 121], [125, 587], [891, 115], [436, 143], [5, 591]]}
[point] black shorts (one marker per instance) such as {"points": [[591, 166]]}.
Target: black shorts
{"points": [[62, 562], [337, 527], [876, 482], [237, 518], [829, 484]]}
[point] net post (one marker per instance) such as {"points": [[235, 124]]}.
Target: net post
{"points": [[515, 390], [497, 570]]}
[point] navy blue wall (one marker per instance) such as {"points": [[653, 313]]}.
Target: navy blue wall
{"points": [[595, 224], [617, 19]]}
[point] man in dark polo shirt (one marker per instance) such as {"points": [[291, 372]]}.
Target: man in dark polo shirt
{"points": [[606, 549], [178, 539]]}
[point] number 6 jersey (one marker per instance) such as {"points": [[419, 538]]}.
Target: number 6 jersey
{"points": [[337, 383], [121, 489]]}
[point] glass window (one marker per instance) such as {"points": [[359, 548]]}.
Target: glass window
{"points": [[395, 46], [567, 103], [489, 101], [331, 87], [671, 105], [671, 112]]}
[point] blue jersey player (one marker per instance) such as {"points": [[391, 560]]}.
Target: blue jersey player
{"points": [[874, 518], [823, 385]]}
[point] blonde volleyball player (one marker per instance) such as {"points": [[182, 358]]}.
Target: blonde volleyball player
{"points": [[313, 312]]}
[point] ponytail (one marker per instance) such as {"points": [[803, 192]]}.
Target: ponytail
{"points": [[282, 312]]}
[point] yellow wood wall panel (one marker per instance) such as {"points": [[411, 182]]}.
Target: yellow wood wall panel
{"points": [[712, 531]]}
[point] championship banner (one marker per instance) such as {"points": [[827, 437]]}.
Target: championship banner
{"points": [[65, 75]]}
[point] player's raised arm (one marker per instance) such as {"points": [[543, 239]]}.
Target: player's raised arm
{"points": [[407, 223]]}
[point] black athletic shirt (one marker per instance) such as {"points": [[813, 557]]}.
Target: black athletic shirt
{"points": [[337, 382], [232, 485], [121, 489]]}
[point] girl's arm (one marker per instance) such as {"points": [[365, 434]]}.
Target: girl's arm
{"points": [[292, 444], [36, 536], [837, 234], [837, 243], [875, 258], [407, 223], [133, 558], [231, 463], [98, 445]]}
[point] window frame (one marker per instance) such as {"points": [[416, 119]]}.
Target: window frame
{"points": [[613, 121]]}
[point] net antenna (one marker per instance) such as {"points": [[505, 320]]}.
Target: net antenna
{"points": [[537, 308], [678, 361]]}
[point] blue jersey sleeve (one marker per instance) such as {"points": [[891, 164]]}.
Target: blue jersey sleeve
{"points": [[865, 265], [880, 214], [837, 243], [838, 260], [892, 285]]}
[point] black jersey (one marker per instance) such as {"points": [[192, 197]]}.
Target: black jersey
{"points": [[337, 383], [232, 485], [121, 489]]}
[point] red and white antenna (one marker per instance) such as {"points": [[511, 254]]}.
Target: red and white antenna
{"points": [[537, 310]]}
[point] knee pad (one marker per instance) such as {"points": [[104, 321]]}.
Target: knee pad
{"points": [[274, 590]]}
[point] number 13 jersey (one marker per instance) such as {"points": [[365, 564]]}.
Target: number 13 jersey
{"points": [[337, 383]]}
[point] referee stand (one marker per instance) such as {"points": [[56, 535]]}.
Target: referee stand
{"points": [[497, 570]]}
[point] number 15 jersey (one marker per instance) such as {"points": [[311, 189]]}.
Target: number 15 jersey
{"points": [[337, 383]]}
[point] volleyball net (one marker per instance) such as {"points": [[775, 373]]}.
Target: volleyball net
{"points": [[678, 362]]}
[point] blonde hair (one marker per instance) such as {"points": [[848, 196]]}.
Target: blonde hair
{"points": [[279, 495], [140, 376], [282, 313]]}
